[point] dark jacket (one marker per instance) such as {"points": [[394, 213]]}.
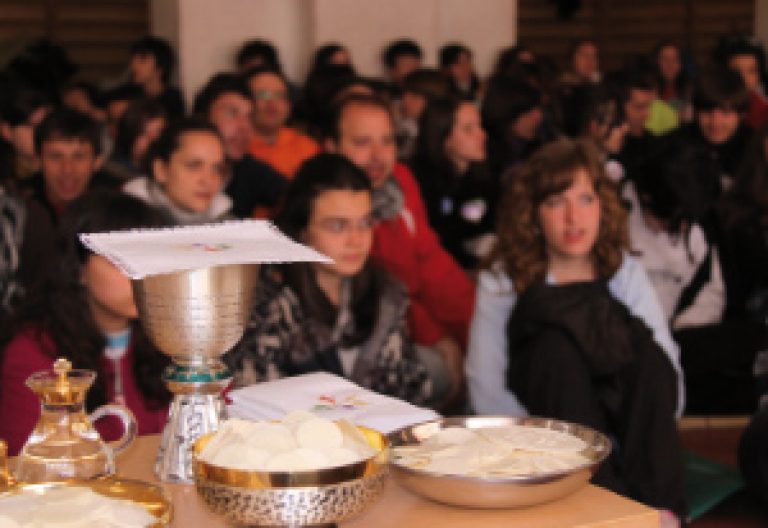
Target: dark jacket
{"points": [[254, 184], [607, 336], [459, 208]]}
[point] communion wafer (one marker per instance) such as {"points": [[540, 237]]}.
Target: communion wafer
{"points": [[534, 438], [494, 452], [72, 507], [318, 434], [301, 441]]}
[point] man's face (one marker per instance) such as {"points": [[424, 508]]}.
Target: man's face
{"points": [[231, 114], [637, 109], [68, 166], [367, 138], [271, 105], [718, 125]]}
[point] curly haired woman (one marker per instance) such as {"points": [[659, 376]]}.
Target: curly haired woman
{"points": [[567, 326]]}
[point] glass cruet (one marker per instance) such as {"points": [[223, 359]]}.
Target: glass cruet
{"points": [[64, 445]]}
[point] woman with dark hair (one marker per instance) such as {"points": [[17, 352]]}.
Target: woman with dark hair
{"points": [[324, 87], [566, 324], [187, 171], [674, 83], [512, 115], [152, 63], [346, 317], [457, 191], [87, 314], [138, 128], [455, 60], [330, 54]]}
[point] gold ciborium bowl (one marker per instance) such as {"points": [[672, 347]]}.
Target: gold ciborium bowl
{"points": [[152, 498], [302, 498]]}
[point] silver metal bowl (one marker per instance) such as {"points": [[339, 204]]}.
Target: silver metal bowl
{"points": [[306, 498], [507, 492]]}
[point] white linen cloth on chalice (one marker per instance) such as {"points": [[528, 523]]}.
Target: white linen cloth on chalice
{"points": [[143, 252]]}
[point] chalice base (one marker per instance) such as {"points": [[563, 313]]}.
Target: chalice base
{"points": [[190, 417]]}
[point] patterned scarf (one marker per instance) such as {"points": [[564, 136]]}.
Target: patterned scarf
{"points": [[388, 200]]}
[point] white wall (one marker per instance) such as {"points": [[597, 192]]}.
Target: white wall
{"points": [[208, 32]]}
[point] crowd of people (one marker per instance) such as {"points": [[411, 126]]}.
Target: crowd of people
{"points": [[579, 244]]}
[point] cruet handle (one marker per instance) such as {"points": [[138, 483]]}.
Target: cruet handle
{"points": [[128, 420], [6, 477]]}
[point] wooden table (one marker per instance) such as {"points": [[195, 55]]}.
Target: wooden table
{"points": [[590, 507]]}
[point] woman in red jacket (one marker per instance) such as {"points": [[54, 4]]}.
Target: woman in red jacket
{"points": [[86, 313]]}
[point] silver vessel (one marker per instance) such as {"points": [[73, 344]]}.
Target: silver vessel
{"points": [[194, 317]]}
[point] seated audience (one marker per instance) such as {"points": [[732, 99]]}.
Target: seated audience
{"points": [[592, 111], [323, 89], [85, 98], [254, 187], [585, 64], [512, 114], [404, 244], [458, 192], [419, 88], [275, 143], [86, 314], [346, 317], [677, 189], [743, 216], [331, 54], [22, 110], [516, 62], [152, 64], [635, 90], [400, 57], [748, 60], [719, 99], [567, 326], [257, 53], [138, 128], [116, 102], [672, 79], [455, 60], [187, 170], [68, 146]]}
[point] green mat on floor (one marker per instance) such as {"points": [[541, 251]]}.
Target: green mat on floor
{"points": [[708, 483]]}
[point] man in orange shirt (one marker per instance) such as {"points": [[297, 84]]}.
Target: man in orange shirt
{"points": [[276, 144]]}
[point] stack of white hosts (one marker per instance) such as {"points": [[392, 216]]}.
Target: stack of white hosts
{"points": [[301, 441], [71, 507], [494, 452]]}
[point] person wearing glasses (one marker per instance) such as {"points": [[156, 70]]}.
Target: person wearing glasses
{"points": [[347, 316], [275, 143]]}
